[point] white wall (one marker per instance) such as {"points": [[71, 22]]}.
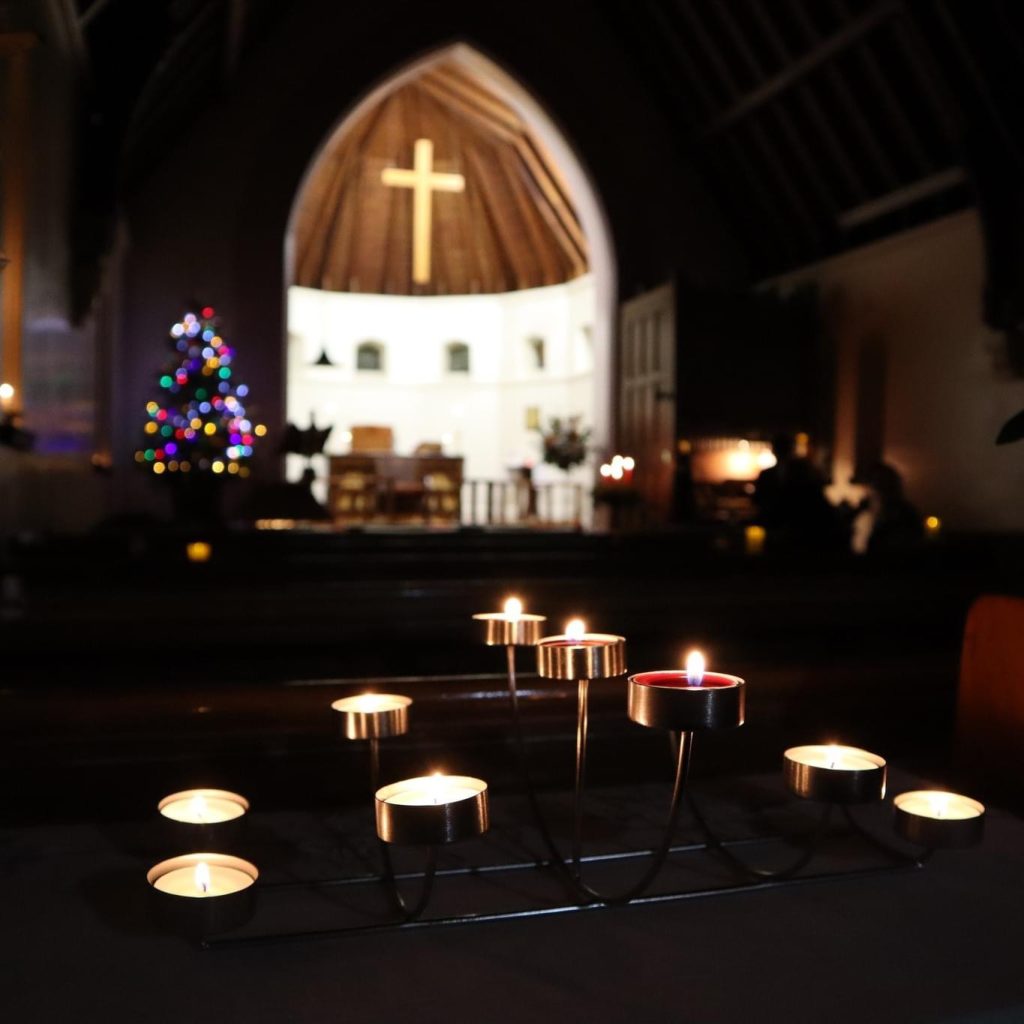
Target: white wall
{"points": [[947, 389], [480, 415]]}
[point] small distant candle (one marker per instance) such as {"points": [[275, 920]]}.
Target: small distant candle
{"points": [[198, 551]]}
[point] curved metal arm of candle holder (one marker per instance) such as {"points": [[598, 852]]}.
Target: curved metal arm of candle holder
{"points": [[387, 874], [554, 854], [683, 747], [409, 911], [719, 846], [917, 859]]}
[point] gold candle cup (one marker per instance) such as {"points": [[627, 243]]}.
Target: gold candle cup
{"points": [[370, 716], [834, 774], [432, 810], [202, 819], [590, 656], [182, 904], [503, 630], [667, 700], [937, 819]]}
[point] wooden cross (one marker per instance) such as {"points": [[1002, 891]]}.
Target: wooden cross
{"points": [[422, 180]]}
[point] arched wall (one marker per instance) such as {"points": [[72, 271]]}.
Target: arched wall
{"points": [[601, 252], [208, 222]]}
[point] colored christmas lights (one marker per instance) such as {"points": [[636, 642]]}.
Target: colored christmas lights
{"points": [[197, 420]]}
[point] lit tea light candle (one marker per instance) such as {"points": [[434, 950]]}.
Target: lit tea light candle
{"points": [[932, 528], [934, 818], [834, 773], [202, 875], [511, 626], [203, 806], [432, 809], [577, 654], [202, 893], [373, 715], [204, 819], [688, 700], [6, 397]]}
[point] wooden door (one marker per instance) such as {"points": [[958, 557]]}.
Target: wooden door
{"points": [[647, 394]]}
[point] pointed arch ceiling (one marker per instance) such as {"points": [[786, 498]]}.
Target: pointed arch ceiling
{"points": [[513, 226]]}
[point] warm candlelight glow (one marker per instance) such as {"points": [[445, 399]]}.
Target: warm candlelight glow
{"points": [[198, 551], [694, 668], [513, 609], [202, 876], [574, 630], [203, 806], [430, 790], [835, 757], [6, 396], [938, 804]]}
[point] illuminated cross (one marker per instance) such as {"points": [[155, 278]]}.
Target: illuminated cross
{"points": [[422, 180]]}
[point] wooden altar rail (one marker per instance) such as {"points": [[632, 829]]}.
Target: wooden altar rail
{"points": [[511, 503]]}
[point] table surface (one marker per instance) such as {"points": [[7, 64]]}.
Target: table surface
{"points": [[940, 943]]}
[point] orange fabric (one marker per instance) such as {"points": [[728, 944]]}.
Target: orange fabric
{"points": [[990, 700]]}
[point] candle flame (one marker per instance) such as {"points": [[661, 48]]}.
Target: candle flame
{"points": [[574, 630], [437, 786], [513, 609], [940, 805], [202, 876], [833, 755], [695, 668], [197, 807]]}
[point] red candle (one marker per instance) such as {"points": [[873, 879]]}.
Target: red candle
{"points": [[678, 679], [686, 699]]}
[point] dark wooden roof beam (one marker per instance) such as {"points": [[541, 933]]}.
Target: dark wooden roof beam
{"points": [[823, 51], [859, 121], [809, 101], [900, 198]]}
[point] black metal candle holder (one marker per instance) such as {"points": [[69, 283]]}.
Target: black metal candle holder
{"points": [[411, 813]]}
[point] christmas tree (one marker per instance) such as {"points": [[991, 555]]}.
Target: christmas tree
{"points": [[198, 423]]}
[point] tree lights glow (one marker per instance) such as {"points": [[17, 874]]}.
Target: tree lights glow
{"points": [[197, 423]]}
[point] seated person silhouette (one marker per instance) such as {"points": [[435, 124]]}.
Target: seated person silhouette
{"points": [[791, 502]]}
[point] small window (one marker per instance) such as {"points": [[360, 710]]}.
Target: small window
{"points": [[458, 357], [370, 356], [537, 353]]}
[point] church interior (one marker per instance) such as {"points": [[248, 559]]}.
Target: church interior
{"points": [[436, 438]]}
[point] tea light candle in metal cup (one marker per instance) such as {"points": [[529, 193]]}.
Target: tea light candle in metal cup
{"points": [[432, 809], [834, 774], [370, 716], [198, 894], [512, 627], [577, 654], [934, 818], [203, 819], [689, 700]]}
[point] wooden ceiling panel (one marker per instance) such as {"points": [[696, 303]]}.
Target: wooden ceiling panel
{"points": [[513, 226]]}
